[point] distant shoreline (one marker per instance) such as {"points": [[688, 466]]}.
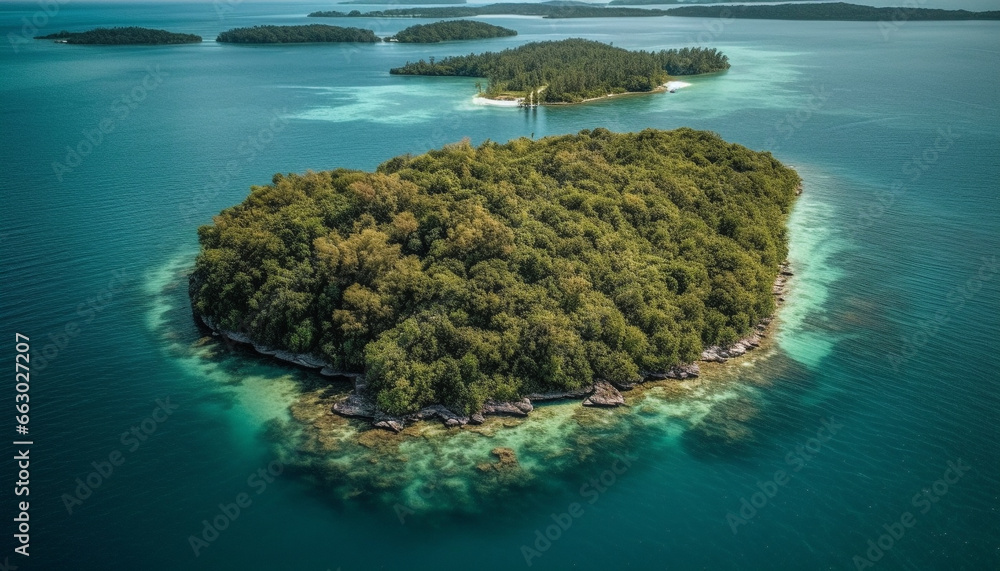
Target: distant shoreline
{"points": [[821, 11], [832, 12]]}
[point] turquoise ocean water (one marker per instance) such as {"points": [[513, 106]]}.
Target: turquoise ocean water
{"points": [[889, 331]]}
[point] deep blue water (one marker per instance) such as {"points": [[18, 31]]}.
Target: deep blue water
{"points": [[889, 330]]}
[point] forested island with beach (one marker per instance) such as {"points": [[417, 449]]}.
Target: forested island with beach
{"points": [[130, 35], [571, 71], [470, 277]]}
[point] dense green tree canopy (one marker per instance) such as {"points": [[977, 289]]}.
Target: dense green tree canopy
{"points": [[474, 273], [451, 30], [123, 36], [296, 34], [572, 70]]}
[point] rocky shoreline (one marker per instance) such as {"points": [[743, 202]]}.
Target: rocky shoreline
{"points": [[359, 404]]}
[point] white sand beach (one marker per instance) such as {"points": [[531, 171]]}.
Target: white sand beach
{"points": [[497, 102]]}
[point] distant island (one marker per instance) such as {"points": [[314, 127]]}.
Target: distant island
{"points": [[838, 11], [122, 36], [641, 2], [546, 10], [296, 35], [451, 30], [369, 2], [571, 71], [654, 2], [568, 9], [472, 277]]}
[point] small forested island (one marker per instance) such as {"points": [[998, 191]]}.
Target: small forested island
{"points": [[122, 36], [296, 35], [471, 277], [837, 11], [545, 9], [451, 30], [571, 71]]}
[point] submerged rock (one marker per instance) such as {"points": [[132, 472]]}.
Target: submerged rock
{"points": [[726, 424], [559, 395], [604, 395], [449, 418], [516, 408], [356, 405], [721, 354], [689, 371], [384, 421], [393, 425], [506, 461], [628, 385]]}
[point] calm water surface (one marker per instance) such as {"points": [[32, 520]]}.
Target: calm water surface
{"points": [[889, 329]]}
